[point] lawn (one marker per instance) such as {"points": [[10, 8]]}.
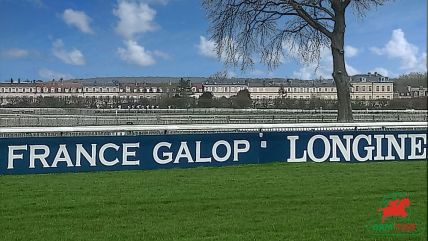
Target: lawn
{"points": [[279, 201]]}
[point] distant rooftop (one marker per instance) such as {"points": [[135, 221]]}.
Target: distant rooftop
{"points": [[164, 81]]}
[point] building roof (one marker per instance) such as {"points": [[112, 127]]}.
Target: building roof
{"points": [[369, 77]]}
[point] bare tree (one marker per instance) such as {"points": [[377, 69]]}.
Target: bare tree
{"points": [[246, 29]]}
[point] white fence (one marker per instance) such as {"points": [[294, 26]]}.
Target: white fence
{"points": [[86, 117], [201, 128]]}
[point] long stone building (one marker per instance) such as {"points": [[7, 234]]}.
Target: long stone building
{"points": [[363, 87]]}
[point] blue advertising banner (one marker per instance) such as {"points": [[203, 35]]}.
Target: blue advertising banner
{"points": [[98, 153]]}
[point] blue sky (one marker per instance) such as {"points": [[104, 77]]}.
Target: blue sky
{"points": [[45, 39]]}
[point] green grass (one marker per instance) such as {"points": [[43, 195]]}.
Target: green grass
{"points": [[329, 201]]}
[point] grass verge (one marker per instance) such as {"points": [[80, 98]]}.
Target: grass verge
{"points": [[328, 201]]}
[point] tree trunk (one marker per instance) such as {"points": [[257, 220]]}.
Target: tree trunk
{"points": [[340, 75]]}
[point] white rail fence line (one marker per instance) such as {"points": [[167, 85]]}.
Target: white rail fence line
{"points": [[97, 112], [215, 118], [201, 128]]}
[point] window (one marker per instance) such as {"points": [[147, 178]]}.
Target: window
{"points": [[383, 88], [388, 88], [364, 88], [377, 88], [370, 88], [356, 88]]}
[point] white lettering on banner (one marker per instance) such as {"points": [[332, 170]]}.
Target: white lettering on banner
{"points": [[168, 155], [103, 159], [62, 151], [337, 143], [127, 153], [183, 152], [317, 148], [41, 157], [368, 149], [416, 151], [392, 142], [90, 158], [12, 156], [163, 154], [326, 148], [238, 150], [379, 156], [198, 154], [42, 154], [363, 147], [293, 157], [228, 151]]}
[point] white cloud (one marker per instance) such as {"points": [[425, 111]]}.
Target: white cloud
{"points": [[161, 2], [399, 47], [207, 47], [381, 71], [78, 19], [161, 55], [15, 53], [351, 70], [323, 69], [50, 74], [74, 56], [136, 54], [134, 18], [351, 51]]}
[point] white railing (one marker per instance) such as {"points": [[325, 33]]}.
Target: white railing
{"points": [[203, 128]]}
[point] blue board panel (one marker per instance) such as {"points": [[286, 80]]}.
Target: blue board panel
{"points": [[98, 153]]}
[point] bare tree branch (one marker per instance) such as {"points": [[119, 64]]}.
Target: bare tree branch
{"points": [[270, 29]]}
